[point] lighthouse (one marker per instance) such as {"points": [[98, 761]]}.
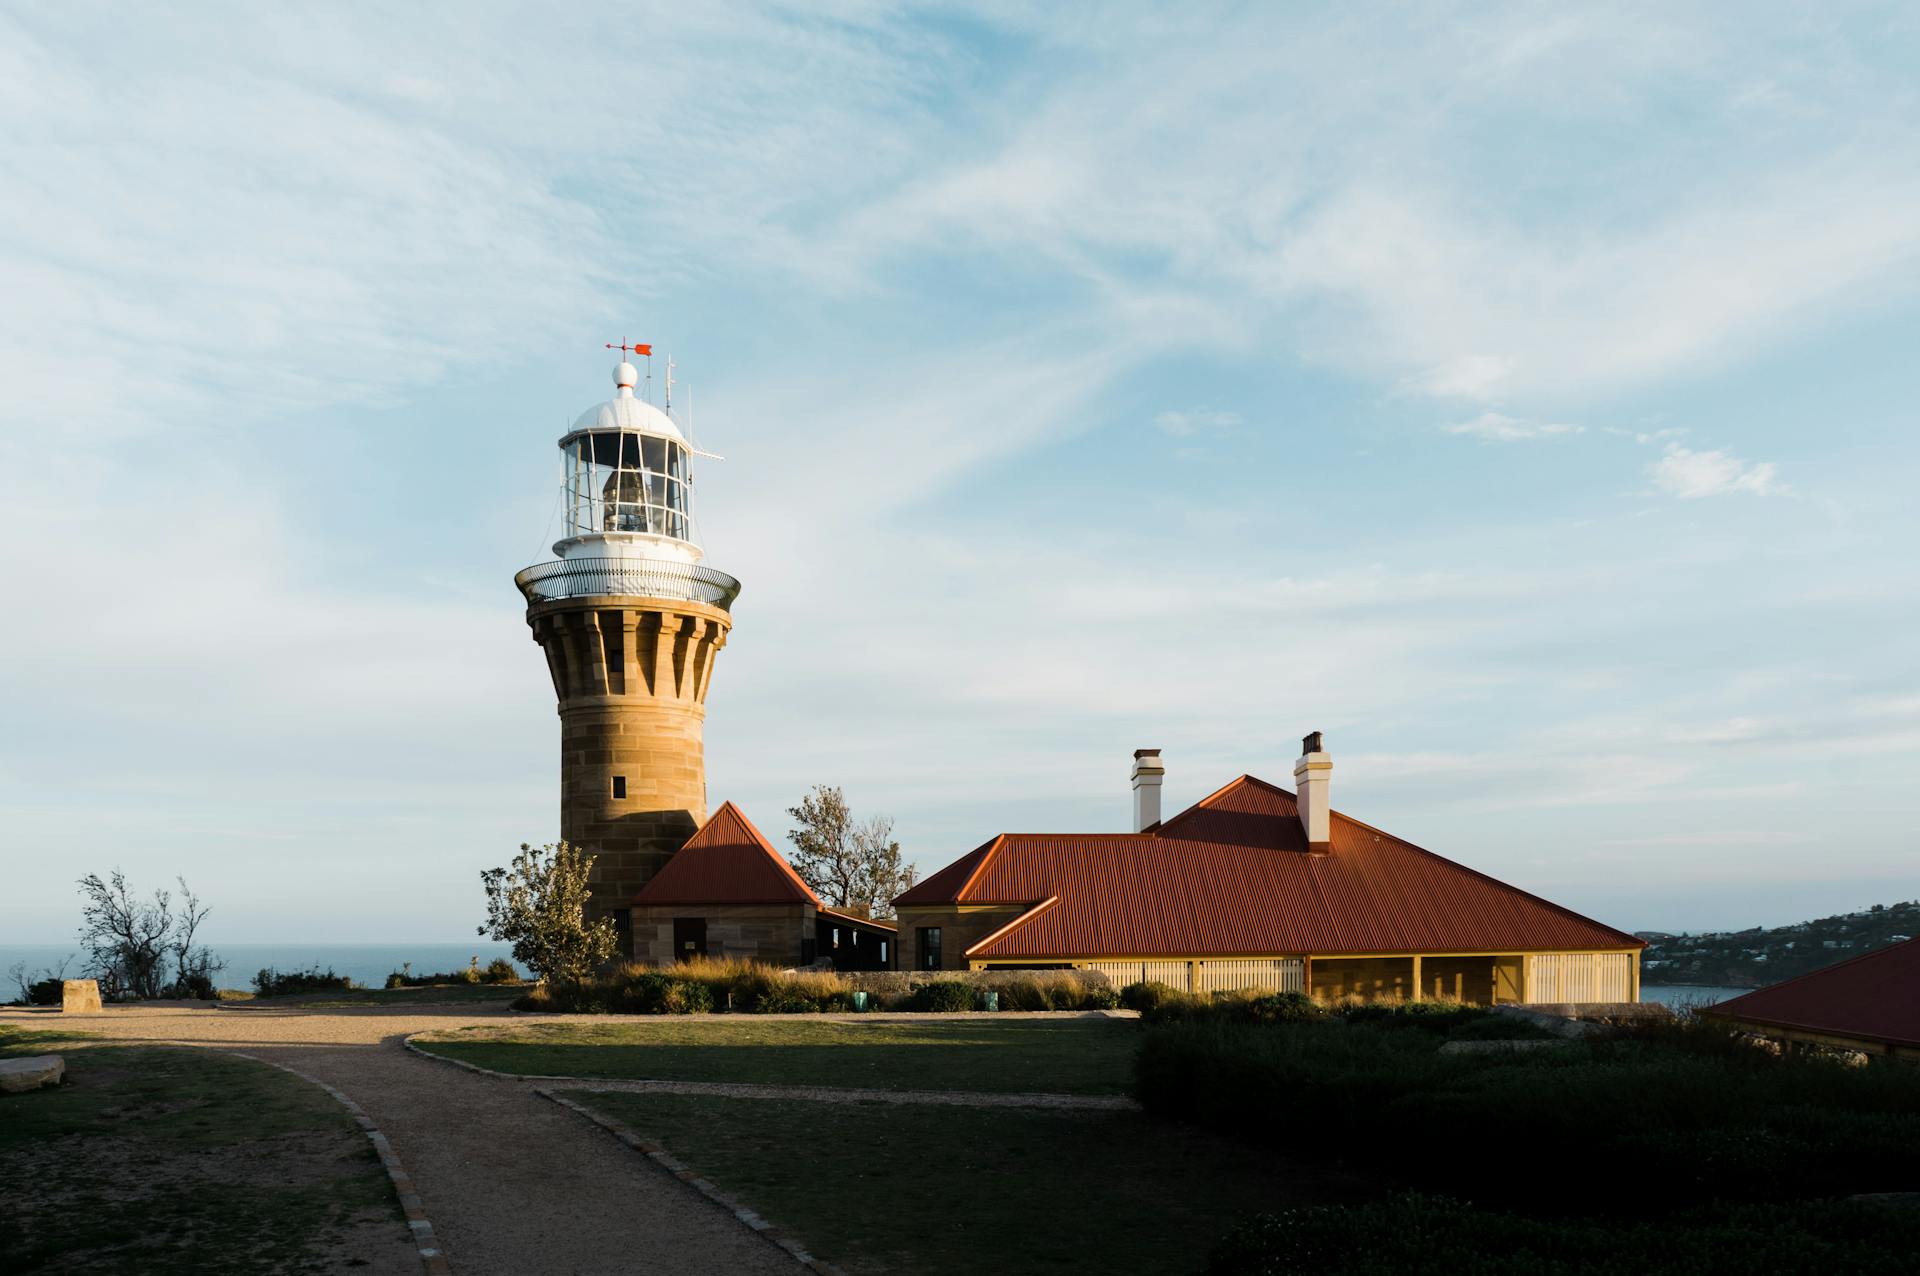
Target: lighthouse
{"points": [[631, 619]]}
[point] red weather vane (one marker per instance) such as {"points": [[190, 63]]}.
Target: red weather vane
{"points": [[635, 348]]}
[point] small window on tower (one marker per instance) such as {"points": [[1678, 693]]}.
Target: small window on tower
{"points": [[619, 786]]}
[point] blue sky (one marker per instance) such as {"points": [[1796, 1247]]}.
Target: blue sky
{"points": [[1523, 396]]}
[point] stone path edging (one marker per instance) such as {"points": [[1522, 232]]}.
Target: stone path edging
{"points": [[816, 1094], [432, 1260], [685, 1173]]}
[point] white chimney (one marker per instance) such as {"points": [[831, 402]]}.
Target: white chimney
{"points": [[1147, 774], [1312, 777]]}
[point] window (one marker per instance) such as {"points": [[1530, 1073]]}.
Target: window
{"points": [[883, 951], [808, 952], [619, 786], [929, 947]]}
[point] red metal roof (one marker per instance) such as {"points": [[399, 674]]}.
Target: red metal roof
{"points": [[1232, 875], [1872, 997], [727, 862]]}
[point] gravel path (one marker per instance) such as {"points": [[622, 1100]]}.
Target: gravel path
{"points": [[515, 1185]]}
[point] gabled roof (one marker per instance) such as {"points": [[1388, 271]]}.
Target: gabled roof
{"points": [[1232, 875], [727, 862], [1872, 997]]}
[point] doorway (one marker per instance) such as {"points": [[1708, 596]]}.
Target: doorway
{"points": [[689, 938]]}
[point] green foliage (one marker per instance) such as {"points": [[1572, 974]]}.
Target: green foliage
{"points": [[1415, 1233], [1709, 1116], [497, 971], [1099, 997], [539, 905], [275, 983], [943, 996]]}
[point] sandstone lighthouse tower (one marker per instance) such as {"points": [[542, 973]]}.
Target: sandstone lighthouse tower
{"points": [[631, 622]]}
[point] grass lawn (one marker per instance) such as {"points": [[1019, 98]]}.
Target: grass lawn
{"points": [[1073, 1056], [178, 1160], [929, 1189]]}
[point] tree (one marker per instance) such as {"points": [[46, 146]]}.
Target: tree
{"points": [[539, 905], [128, 940], [854, 864]]}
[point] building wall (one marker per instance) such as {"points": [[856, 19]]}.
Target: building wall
{"points": [[1205, 974], [630, 676], [770, 933], [1582, 977], [961, 927]]}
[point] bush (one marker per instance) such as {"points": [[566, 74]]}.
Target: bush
{"points": [[274, 983], [943, 996], [45, 992], [500, 971], [1148, 995], [1413, 1233]]}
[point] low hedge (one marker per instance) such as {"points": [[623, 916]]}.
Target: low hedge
{"points": [[711, 985], [1684, 1113], [1414, 1233]]}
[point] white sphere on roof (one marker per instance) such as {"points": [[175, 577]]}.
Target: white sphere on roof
{"points": [[626, 376]]}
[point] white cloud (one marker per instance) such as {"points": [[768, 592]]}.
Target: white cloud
{"points": [[1495, 427], [1189, 421], [1690, 475]]}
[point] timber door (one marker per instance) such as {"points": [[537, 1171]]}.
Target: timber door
{"points": [[689, 938]]}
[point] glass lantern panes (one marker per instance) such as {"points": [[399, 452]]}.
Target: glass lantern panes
{"points": [[621, 481]]}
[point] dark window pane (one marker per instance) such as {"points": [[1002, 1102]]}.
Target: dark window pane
{"points": [[656, 454]]}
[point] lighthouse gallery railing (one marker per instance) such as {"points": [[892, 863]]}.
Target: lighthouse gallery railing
{"points": [[629, 577]]}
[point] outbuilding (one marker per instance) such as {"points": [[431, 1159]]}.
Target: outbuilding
{"points": [[728, 893], [1869, 1003]]}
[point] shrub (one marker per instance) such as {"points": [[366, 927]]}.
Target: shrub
{"points": [[943, 996], [1413, 1233], [1099, 997], [275, 983], [45, 992], [500, 971], [1148, 995]]}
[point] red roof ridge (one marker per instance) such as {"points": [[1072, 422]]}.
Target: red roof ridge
{"points": [[1033, 911], [993, 848], [1161, 829]]}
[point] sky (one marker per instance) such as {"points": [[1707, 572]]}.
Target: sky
{"points": [[1523, 396]]}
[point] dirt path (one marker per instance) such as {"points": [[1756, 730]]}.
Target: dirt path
{"points": [[514, 1185]]}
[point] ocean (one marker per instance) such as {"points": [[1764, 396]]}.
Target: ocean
{"points": [[1687, 996], [368, 964]]}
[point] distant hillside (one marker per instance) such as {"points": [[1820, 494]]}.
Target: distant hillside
{"points": [[1757, 957]]}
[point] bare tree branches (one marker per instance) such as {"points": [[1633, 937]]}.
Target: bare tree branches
{"points": [[854, 864], [128, 940]]}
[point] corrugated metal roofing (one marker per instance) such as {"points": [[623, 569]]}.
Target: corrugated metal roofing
{"points": [[865, 923], [1872, 997], [1232, 875], [727, 862]]}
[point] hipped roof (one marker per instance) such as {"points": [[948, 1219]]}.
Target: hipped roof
{"points": [[1233, 875]]}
